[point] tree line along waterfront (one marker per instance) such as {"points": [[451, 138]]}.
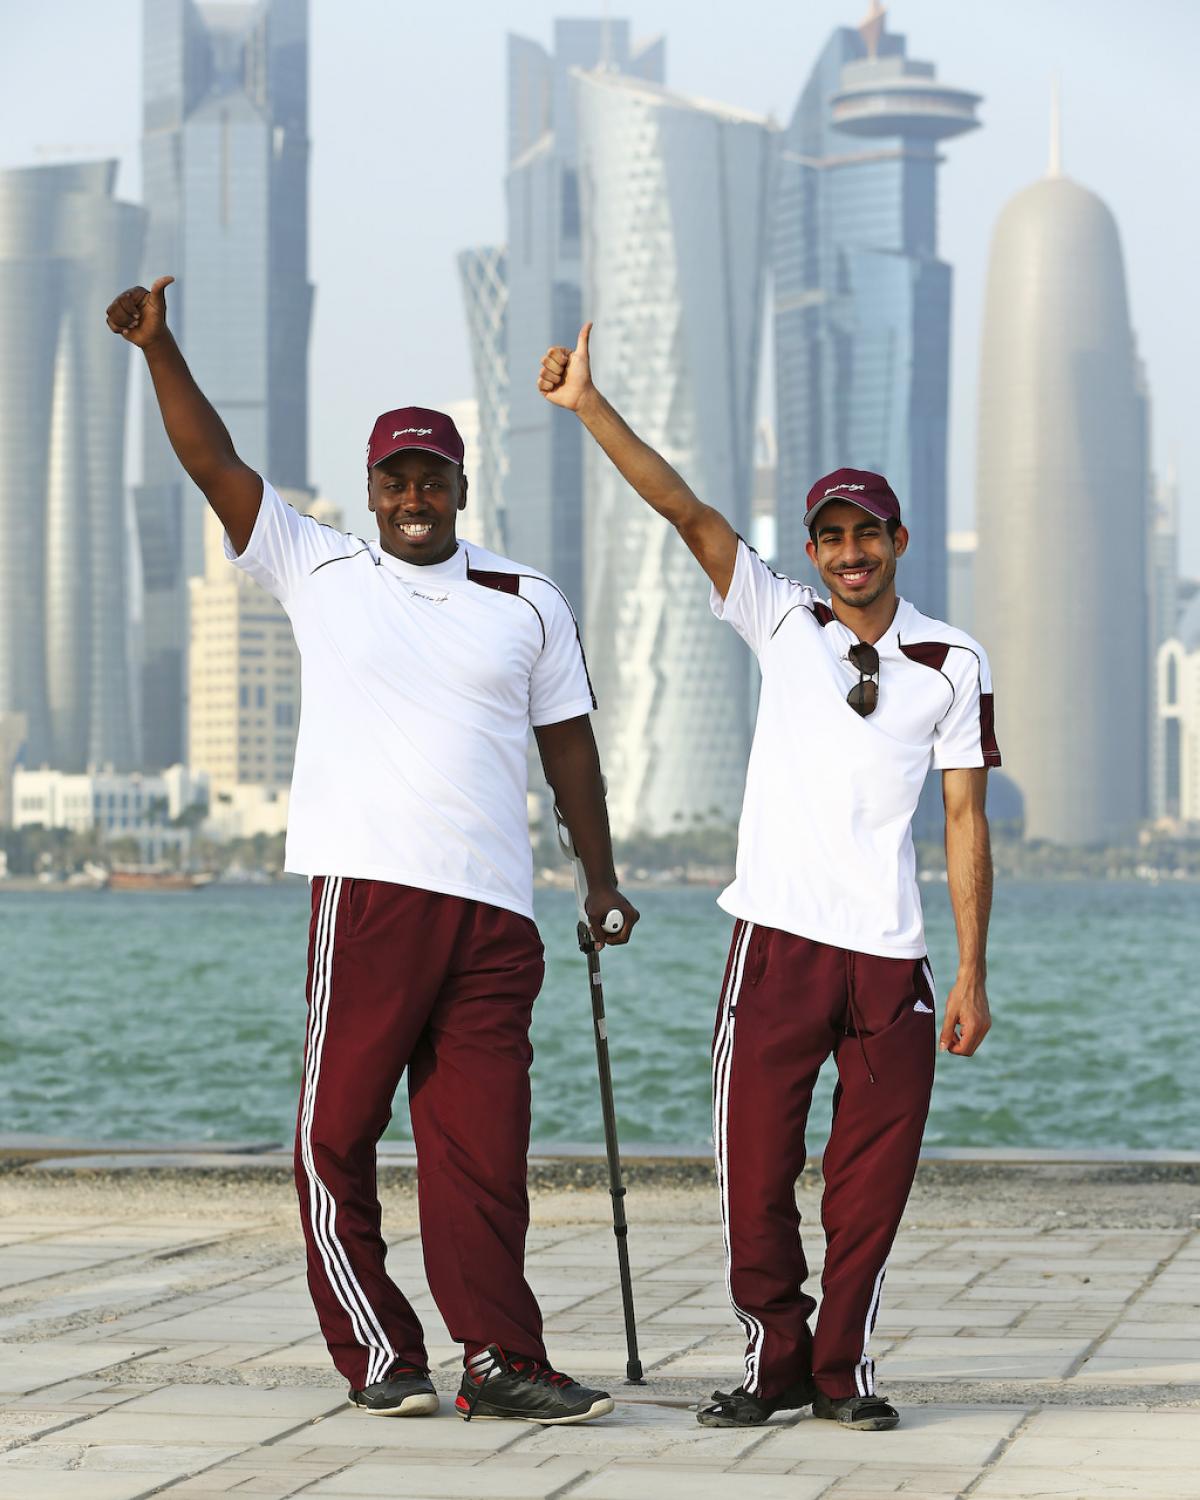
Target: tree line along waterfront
{"points": [[701, 853]]}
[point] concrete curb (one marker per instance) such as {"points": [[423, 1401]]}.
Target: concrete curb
{"points": [[558, 1164]]}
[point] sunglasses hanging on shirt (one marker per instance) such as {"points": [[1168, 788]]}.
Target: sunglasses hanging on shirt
{"points": [[863, 697]]}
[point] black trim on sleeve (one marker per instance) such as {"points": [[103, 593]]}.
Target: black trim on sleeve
{"points": [[536, 578]]}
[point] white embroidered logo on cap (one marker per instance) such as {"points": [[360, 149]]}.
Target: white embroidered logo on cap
{"points": [[416, 431], [835, 489]]}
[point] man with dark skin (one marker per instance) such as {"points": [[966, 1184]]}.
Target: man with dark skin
{"points": [[860, 696], [424, 661]]}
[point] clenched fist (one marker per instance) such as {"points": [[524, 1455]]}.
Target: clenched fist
{"points": [[140, 316], [566, 374]]}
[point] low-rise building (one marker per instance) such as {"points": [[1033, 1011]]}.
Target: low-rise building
{"points": [[243, 670], [117, 803], [1176, 788]]}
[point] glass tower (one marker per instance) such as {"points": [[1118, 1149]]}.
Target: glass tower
{"points": [[66, 248], [675, 220], [544, 492], [225, 169], [862, 303]]}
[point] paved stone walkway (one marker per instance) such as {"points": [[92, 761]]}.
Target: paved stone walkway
{"points": [[159, 1340]]}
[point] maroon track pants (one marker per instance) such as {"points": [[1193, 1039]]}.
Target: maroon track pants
{"points": [[786, 1005], [404, 978]]}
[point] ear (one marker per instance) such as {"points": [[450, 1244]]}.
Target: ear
{"points": [[811, 548], [900, 541], [462, 491], [370, 497]]}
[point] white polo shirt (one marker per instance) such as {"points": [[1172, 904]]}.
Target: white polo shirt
{"points": [[825, 840], [418, 689]]}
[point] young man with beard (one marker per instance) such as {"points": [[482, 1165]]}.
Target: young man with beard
{"points": [[860, 695], [424, 662]]}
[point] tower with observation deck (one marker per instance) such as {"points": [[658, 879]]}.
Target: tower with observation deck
{"points": [[862, 301]]}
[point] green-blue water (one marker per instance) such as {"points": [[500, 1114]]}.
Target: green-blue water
{"points": [[181, 1017]]}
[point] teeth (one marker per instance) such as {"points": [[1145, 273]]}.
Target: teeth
{"points": [[416, 528]]}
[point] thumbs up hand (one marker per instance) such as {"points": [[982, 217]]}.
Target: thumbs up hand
{"points": [[566, 374], [140, 316]]}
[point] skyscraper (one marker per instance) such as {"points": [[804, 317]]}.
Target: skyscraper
{"points": [[1062, 514], [674, 196], [544, 493], [485, 293], [66, 248], [225, 169], [862, 302]]}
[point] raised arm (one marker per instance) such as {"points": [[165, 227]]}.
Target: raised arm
{"points": [[200, 439], [969, 873], [566, 380]]}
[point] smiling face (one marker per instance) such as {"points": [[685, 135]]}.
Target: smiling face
{"points": [[854, 554], [416, 497]]}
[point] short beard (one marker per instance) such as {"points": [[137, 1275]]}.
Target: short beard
{"points": [[861, 601]]}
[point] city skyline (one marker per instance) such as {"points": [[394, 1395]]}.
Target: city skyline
{"points": [[617, 203], [1009, 59]]}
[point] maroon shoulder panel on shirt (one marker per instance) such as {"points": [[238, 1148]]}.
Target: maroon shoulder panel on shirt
{"points": [[507, 583], [823, 613], [928, 653], [933, 654]]}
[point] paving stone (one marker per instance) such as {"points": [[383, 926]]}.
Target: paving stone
{"points": [[1163, 1370], [449, 1481], [1008, 1481], [630, 1483], [125, 1426], [983, 1358], [79, 1486], [290, 1403], [27, 1367], [58, 1454], [959, 1436], [416, 1435]]}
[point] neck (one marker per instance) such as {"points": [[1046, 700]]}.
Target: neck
{"points": [[444, 555], [871, 622]]}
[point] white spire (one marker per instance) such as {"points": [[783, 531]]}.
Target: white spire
{"points": [[1055, 166]]}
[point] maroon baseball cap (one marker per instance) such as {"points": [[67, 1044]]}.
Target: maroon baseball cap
{"points": [[414, 427], [870, 491]]}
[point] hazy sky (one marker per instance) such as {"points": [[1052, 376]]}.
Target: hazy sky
{"points": [[408, 144]]}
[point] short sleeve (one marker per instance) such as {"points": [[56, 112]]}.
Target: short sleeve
{"points": [[758, 598], [966, 736], [559, 685], [285, 546]]}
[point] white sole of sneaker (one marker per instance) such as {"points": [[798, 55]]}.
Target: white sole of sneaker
{"points": [[599, 1408], [411, 1406]]}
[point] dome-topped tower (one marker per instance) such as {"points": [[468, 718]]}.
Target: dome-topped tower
{"points": [[1061, 500]]}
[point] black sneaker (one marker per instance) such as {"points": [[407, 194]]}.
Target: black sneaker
{"points": [[497, 1385], [405, 1391], [859, 1413], [740, 1409]]}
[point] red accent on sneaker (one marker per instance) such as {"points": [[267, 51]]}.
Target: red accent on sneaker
{"points": [[461, 1403]]}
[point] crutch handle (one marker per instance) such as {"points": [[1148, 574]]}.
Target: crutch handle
{"points": [[613, 922]]}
